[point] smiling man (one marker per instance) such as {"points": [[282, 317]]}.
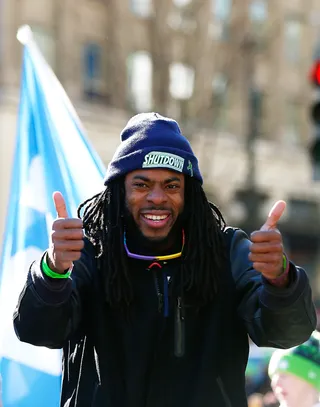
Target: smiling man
{"points": [[151, 296], [154, 200]]}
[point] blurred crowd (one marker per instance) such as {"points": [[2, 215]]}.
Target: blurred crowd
{"points": [[285, 378]]}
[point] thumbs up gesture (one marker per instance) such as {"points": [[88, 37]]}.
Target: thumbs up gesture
{"points": [[266, 251], [66, 238]]}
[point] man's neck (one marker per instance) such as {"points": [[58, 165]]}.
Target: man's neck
{"points": [[137, 243]]}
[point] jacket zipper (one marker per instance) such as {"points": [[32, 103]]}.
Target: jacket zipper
{"points": [[223, 392], [179, 342], [165, 295], [159, 294]]}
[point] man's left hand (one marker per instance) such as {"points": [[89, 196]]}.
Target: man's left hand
{"points": [[266, 251]]}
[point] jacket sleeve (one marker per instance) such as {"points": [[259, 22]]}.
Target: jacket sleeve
{"points": [[50, 310], [274, 316]]}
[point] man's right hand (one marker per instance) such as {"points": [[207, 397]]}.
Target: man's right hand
{"points": [[66, 237]]}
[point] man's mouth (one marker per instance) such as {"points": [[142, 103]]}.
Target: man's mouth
{"points": [[281, 392], [155, 218], [156, 221]]}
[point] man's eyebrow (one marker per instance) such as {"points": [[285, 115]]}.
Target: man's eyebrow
{"points": [[141, 178], [146, 179], [172, 179]]}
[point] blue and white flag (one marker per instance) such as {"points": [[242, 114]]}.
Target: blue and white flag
{"points": [[52, 153]]}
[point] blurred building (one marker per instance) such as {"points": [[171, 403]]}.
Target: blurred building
{"points": [[233, 72]]}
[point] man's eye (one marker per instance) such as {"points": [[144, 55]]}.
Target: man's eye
{"points": [[140, 185], [172, 186]]}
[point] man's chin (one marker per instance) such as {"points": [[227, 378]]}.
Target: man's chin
{"points": [[155, 237]]}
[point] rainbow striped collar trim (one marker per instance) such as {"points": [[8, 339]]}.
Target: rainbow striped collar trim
{"points": [[153, 258]]}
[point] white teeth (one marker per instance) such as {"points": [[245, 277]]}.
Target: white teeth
{"points": [[155, 217]]}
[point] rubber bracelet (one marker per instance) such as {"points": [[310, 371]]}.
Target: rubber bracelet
{"points": [[284, 267], [52, 274], [284, 262], [279, 280]]}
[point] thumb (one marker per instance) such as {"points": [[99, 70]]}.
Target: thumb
{"points": [[274, 216], [60, 205]]}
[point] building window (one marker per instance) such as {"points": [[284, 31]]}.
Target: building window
{"points": [[292, 40], [92, 64], [46, 43], [258, 11], [221, 10], [256, 102], [293, 122], [139, 72], [181, 81], [258, 14], [219, 101], [141, 8], [181, 3], [316, 50], [182, 17]]}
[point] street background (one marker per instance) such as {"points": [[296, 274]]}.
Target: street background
{"points": [[235, 74]]}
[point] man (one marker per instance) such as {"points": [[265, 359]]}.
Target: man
{"points": [[153, 304], [295, 374]]}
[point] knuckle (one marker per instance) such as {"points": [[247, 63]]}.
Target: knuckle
{"points": [[276, 235], [76, 245], [53, 235], [253, 248], [257, 266], [55, 224], [58, 223], [259, 248], [256, 258], [56, 246], [76, 222], [56, 234], [79, 234], [278, 248]]}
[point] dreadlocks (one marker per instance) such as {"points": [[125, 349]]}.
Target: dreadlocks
{"points": [[202, 258], [204, 254]]}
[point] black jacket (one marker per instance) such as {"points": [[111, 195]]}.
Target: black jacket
{"points": [[111, 360]]}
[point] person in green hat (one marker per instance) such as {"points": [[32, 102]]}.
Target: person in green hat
{"points": [[295, 374]]}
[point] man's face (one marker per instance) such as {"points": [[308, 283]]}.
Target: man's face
{"points": [[290, 390], [155, 199]]}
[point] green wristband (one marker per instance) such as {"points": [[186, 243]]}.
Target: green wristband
{"points": [[284, 266], [284, 262], [52, 274]]}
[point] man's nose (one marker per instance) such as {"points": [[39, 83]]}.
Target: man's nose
{"points": [[157, 195], [278, 379]]}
